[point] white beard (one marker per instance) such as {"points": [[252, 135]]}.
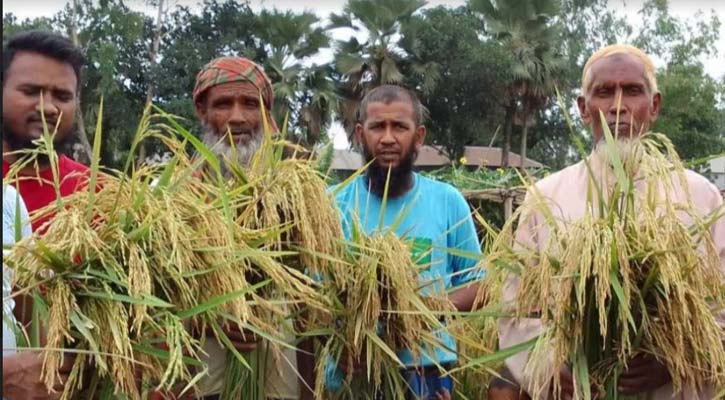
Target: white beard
{"points": [[629, 150], [222, 148]]}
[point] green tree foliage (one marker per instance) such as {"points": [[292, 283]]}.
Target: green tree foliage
{"points": [[585, 26], [463, 110], [688, 114], [377, 59], [11, 25], [112, 38], [192, 39], [526, 31], [306, 96], [674, 40], [479, 70], [693, 105]]}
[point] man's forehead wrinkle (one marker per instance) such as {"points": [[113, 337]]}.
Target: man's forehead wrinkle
{"points": [[234, 92], [607, 78], [616, 81], [234, 95], [388, 118]]}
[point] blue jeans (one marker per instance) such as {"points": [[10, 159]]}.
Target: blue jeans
{"points": [[424, 384]]}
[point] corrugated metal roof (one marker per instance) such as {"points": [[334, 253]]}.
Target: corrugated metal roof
{"points": [[431, 156]]}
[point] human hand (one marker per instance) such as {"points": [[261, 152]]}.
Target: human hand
{"points": [[566, 379], [644, 373], [174, 394], [243, 340], [359, 364], [443, 394], [567, 383], [22, 377]]}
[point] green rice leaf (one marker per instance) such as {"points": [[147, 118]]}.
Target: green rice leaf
{"points": [[18, 222], [342, 185], [165, 177], [95, 162], [83, 324], [204, 151], [164, 355], [622, 177], [39, 312], [374, 338], [384, 203], [192, 383], [580, 370], [147, 299], [498, 356], [219, 300], [228, 343]]}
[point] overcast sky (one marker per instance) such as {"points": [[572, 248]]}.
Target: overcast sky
{"points": [[681, 8]]}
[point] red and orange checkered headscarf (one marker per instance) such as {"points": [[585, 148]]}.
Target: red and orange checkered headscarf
{"points": [[236, 69]]}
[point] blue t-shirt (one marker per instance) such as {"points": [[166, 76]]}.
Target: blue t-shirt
{"points": [[435, 217]]}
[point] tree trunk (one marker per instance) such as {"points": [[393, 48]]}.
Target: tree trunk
{"points": [[524, 135], [508, 128], [152, 58], [81, 132]]}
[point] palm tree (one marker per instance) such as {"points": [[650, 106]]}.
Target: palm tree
{"points": [[524, 28], [305, 94], [377, 60]]}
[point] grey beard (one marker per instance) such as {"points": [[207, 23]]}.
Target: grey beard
{"points": [[221, 147], [629, 150]]}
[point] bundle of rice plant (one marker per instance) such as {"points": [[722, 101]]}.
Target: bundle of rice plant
{"points": [[113, 262], [627, 278], [291, 192], [142, 260], [379, 310], [284, 202], [477, 330]]}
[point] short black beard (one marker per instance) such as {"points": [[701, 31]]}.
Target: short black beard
{"points": [[12, 139], [400, 176]]}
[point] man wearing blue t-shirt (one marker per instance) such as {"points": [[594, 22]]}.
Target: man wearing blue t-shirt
{"points": [[390, 131]]}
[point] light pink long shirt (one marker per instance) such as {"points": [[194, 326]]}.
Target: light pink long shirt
{"points": [[566, 193]]}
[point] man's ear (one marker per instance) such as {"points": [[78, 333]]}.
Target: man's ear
{"points": [[584, 112], [420, 132], [200, 109], [357, 135], [656, 105]]}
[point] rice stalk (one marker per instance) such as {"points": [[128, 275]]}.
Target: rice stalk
{"points": [[141, 259], [628, 278], [379, 311]]}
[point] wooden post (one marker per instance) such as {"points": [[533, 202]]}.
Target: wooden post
{"points": [[508, 205]]}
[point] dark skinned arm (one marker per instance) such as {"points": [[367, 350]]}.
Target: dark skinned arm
{"points": [[306, 368], [464, 297], [644, 374]]}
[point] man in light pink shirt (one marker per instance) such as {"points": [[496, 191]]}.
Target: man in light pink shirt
{"points": [[617, 79]]}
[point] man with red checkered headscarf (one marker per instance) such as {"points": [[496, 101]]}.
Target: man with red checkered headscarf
{"points": [[227, 100]]}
